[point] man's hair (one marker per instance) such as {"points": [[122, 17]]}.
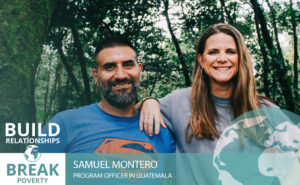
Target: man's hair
{"points": [[112, 41]]}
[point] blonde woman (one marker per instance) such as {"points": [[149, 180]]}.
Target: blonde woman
{"points": [[223, 88]]}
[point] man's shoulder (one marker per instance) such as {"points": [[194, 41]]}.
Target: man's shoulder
{"points": [[84, 110]]}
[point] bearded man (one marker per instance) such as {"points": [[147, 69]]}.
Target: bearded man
{"points": [[111, 125]]}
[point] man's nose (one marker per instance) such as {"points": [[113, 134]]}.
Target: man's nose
{"points": [[120, 73]]}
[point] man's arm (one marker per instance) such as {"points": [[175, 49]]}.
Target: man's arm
{"points": [[57, 143], [150, 113]]}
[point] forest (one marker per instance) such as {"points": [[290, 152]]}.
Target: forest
{"points": [[47, 48]]}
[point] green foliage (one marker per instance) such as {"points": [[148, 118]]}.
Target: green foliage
{"points": [[23, 28], [143, 22]]}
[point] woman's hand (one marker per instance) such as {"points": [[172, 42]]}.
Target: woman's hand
{"points": [[150, 113]]}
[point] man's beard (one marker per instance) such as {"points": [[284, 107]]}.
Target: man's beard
{"points": [[121, 98]]}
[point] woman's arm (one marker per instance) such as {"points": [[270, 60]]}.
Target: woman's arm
{"points": [[150, 113]]}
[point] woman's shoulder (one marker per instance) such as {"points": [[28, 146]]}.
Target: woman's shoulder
{"points": [[266, 102], [185, 92], [177, 96]]}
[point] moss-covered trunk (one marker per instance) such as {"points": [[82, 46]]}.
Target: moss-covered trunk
{"points": [[23, 29]]}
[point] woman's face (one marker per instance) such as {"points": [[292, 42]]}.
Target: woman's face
{"points": [[219, 59]]}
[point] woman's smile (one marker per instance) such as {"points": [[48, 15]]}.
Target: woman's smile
{"points": [[220, 58]]}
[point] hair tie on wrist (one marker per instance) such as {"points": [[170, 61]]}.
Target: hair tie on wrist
{"points": [[150, 97]]}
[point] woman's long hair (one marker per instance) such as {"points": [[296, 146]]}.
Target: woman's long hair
{"points": [[244, 96]]}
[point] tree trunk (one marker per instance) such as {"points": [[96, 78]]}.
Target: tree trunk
{"points": [[82, 62], [296, 55], [278, 60], [23, 28], [265, 65], [177, 47], [46, 106], [230, 19], [154, 83], [58, 45], [275, 29], [56, 86]]}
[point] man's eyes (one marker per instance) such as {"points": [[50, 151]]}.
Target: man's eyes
{"points": [[109, 66], [112, 66], [212, 52], [128, 64]]}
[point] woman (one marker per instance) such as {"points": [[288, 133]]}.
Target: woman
{"points": [[223, 89]]}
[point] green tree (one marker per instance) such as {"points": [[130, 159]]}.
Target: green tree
{"points": [[23, 29]]}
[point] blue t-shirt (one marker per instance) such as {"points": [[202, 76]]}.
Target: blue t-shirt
{"points": [[89, 129]]}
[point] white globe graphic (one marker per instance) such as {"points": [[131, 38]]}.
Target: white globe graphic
{"points": [[32, 153], [270, 159]]}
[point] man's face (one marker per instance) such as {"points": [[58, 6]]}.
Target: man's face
{"points": [[118, 75]]}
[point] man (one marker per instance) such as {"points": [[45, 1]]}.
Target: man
{"points": [[110, 126]]}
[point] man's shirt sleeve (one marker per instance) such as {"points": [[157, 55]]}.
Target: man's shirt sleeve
{"points": [[54, 144]]}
